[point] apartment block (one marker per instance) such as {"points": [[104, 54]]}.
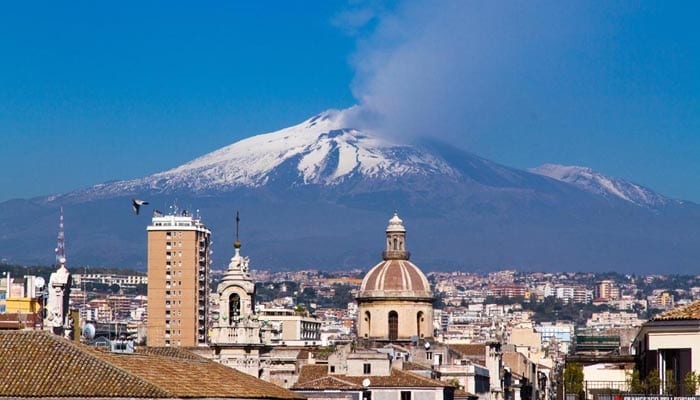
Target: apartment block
{"points": [[178, 276]]}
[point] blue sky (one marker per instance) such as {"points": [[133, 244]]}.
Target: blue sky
{"points": [[91, 91]]}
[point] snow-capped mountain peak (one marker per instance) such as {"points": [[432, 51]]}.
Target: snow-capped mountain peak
{"points": [[322, 150], [595, 182]]}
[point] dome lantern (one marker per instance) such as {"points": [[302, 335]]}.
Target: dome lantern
{"points": [[395, 240]]}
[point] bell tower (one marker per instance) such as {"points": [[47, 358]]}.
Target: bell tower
{"points": [[236, 290], [237, 334]]}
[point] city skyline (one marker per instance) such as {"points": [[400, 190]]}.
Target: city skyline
{"points": [[93, 90]]}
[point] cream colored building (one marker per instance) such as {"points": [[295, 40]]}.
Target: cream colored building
{"points": [[669, 345], [395, 302], [292, 328], [253, 341], [178, 275], [238, 337]]}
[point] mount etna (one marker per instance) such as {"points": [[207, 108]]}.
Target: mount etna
{"points": [[319, 194]]}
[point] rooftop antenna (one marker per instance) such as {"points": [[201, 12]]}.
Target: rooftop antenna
{"points": [[237, 243], [61, 243]]}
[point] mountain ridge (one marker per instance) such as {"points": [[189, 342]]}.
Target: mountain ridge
{"points": [[317, 195], [594, 181]]}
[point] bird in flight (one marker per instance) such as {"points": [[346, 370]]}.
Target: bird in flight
{"points": [[136, 205]]}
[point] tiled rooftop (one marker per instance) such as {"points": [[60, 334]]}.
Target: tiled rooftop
{"points": [[38, 364], [478, 350], [316, 377], [688, 311]]}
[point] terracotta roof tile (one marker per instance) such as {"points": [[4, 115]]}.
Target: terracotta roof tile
{"points": [[470, 349], [411, 366], [313, 377], [686, 312], [38, 364]]}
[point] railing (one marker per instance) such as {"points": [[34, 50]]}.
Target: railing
{"points": [[396, 255], [617, 390]]}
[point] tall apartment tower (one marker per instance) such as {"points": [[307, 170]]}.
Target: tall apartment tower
{"points": [[178, 276]]}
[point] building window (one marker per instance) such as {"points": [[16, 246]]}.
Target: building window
{"points": [[332, 369], [438, 358], [419, 323], [367, 368], [428, 355], [405, 395], [393, 325], [234, 307], [366, 395]]}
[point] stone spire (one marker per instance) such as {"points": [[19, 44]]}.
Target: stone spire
{"points": [[238, 266], [396, 240], [236, 324], [59, 288]]}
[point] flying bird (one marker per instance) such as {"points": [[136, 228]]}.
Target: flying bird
{"points": [[136, 205]]}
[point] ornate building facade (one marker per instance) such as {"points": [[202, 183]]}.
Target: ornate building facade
{"points": [[237, 334]]}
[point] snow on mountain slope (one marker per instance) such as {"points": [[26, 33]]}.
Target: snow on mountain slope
{"points": [[322, 150], [596, 182]]}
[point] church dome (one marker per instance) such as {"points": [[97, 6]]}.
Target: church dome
{"points": [[396, 276], [395, 279]]}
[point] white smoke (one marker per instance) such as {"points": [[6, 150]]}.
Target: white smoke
{"points": [[456, 69]]}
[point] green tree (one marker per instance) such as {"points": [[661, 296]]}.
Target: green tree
{"points": [[691, 383], [573, 378], [670, 384], [653, 382], [634, 381]]}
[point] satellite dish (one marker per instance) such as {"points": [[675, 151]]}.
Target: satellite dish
{"points": [[366, 382], [426, 345], [39, 282], [88, 331]]}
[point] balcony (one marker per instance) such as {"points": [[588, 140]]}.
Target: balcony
{"points": [[396, 255]]}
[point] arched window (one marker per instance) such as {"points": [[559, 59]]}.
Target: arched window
{"points": [[234, 307], [368, 322], [419, 322], [393, 325], [396, 244]]}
